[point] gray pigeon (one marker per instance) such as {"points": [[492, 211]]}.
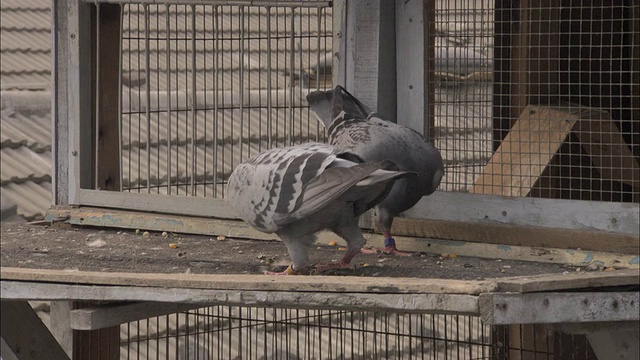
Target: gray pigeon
{"points": [[299, 190], [352, 127]]}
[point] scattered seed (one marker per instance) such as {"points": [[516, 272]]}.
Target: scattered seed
{"points": [[165, 234], [137, 231], [173, 246], [342, 248], [333, 243], [221, 238], [146, 233]]}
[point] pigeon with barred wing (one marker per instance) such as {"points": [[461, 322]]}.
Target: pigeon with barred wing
{"points": [[297, 191]]}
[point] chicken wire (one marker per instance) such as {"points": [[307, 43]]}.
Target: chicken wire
{"points": [[230, 332], [506, 75], [205, 87]]}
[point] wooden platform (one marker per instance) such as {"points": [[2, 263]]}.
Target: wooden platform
{"points": [[108, 272]]}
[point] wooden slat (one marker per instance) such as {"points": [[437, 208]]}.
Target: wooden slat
{"points": [[514, 235], [424, 303], [557, 282], [526, 151], [340, 284], [107, 24], [548, 308], [26, 335]]}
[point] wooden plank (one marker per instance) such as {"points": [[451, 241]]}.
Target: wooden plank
{"points": [[60, 110], [79, 98], [557, 282], [100, 317], [319, 299], [509, 252], [107, 87], [410, 64], [25, 333], [183, 205], [60, 325], [159, 222], [472, 227], [544, 308], [515, 235], [552, 213], [340, 36], [525, 152], [338, 284]]}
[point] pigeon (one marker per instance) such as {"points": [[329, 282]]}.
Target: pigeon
{"points": [[299, 190], [352, 127]]}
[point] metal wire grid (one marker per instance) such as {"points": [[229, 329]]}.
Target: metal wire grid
{"points": [[577, 58], [230, 332], [206, 87]]}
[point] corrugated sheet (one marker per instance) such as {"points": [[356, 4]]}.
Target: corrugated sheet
{"points": [[32, 198], [31, 5], [31, 130], [23, 164]]}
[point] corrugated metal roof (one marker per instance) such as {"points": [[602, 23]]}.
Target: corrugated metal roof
{"points": [[33, 199], [22, 164], [30, 130]]}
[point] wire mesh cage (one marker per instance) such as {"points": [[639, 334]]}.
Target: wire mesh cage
{"points": [[207, 86], [537, 98], [238, 332], [230, 332]]}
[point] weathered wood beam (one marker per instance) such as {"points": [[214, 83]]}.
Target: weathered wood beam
{"points": [[104, 316], [319, 299], [107, 24], [544, 308], [26, 335], [315, 283]]}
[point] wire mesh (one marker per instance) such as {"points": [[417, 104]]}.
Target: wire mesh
{"points": [[537, 98], [207, 86], [230, 332]]}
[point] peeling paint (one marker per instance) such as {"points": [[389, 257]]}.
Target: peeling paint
{"points": [[505, 248], [569, 251], [588, 258], [635, 261]]}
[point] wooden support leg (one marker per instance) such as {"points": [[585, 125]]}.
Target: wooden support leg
{"points": [[26, 335], [60, 324]]}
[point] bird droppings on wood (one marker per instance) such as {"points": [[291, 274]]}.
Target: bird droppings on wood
{"points": [[58, 248]]}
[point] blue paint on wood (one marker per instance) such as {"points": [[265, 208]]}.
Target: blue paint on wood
{"points": [[635, 261], [588, 258], [505, 248]]}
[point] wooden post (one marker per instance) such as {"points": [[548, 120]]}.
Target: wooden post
{"points": [[369, 58], [107, 22], [26, 335], [428, 18]]}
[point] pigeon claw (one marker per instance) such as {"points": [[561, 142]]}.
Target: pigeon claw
{"points": [[288, 271]]}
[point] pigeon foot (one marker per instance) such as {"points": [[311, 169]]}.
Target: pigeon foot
{"points": [[389, 249], [288, 271]]}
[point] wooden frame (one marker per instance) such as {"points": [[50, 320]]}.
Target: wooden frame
{"points": [[558, 218]]}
